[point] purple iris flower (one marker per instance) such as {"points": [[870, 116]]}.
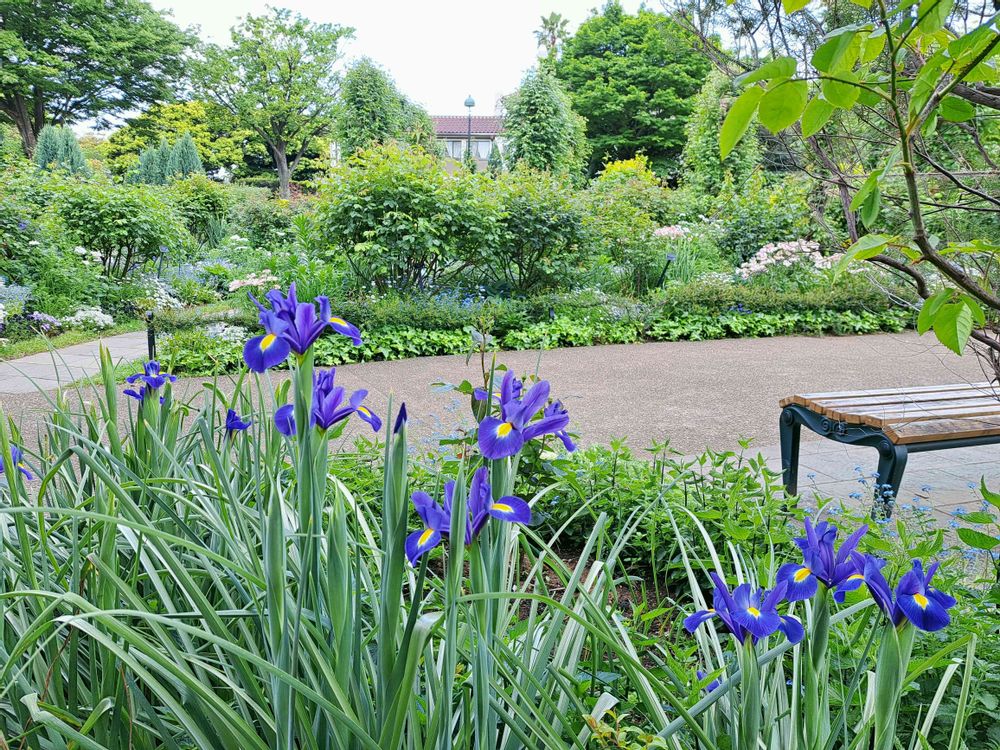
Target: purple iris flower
{"points": [[328, 406], [400, 419], [153, 379], [300, 325], [914, 598], [16, 459], [480, 508], [747, 612], [821, 563], [235, 423], [503, 437], [270, 349]]}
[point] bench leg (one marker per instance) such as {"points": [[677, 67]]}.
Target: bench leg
{"points": [[891, 464], [789, 428]]}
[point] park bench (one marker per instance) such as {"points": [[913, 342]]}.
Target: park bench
{"points": [[895, 421]]}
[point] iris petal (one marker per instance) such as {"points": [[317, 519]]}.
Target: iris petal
{"points": [[264, 352], [512, 509], [499, 439], [420, 542]]}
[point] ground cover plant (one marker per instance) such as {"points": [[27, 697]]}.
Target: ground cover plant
{"points": [[204, 577]]}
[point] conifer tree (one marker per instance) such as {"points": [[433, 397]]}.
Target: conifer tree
{"points": [[184, 159]]}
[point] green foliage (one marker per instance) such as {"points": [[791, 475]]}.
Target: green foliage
{"points": [[254, 215], [203, 204], [540, 127], [703, 168], [218, 140], [70, 60], [184, 160], [495, 163], [373, 112], [58, 149], [277, 79], [125, 225], [540, 243], [401, 221], [11, 149], [634, 79], [754, 213], [149, 170]]}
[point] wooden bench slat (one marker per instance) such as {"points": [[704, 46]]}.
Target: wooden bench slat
{"points": [[931, 408], [956, 429], [885, 391], [910, 398]]}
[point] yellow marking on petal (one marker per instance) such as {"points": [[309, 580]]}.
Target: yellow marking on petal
{"points": [[339, 322], [428, 533], [364, 411], [504, 429], [267, 342], [921, 600], [856, 577], [503, 507], [801, 574], [753, 611]]}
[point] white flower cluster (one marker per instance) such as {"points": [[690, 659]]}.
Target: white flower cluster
{"points": [[225, 332], [88, 256], [263, 280], [672, 232], [158, 296], [787, 254], [89, 317], [715, 277]]}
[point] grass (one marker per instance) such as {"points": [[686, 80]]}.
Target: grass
{"points": [[38, 344]]}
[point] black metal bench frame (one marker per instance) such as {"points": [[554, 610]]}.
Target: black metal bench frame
{"points": [[891, 456]]}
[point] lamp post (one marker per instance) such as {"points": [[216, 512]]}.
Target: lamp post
{"points": [[470, 103]]}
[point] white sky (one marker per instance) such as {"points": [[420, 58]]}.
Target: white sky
{"points": [[438, 51]]}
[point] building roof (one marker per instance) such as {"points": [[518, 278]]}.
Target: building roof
{"points": [[449, 125]]}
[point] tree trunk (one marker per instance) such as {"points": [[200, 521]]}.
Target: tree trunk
{"points": [[280, 157], [16, 108]]}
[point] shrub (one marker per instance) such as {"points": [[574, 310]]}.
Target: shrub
{"points": [[203, 204], [541, 239], [58, 149], [126, 224], [253, 214], [401, 221], [753, 214]]}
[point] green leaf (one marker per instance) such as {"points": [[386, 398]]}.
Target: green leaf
{"points": [[872, 46], [834, 54], [989, 496], [870, 208], [783, 105], [933, 14], [782, 67], [738, 119], [841, 92], [791, 6], [816, 114], [977, 539], [867, 247], [979, 517], [929, 310], [867, 187], [956, 109], [978, 315], [953, 326]]}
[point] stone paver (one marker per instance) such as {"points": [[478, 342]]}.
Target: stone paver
{"points": [[49, 370], [697, 394]]}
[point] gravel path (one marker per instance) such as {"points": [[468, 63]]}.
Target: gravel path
{"points": [[697, 393]]}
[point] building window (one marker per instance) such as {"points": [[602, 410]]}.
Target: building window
{"points": [[454, 149], [483, 149]]}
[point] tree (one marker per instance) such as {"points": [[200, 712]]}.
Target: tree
{"points": [[633, 78], [704, 169], [551, 35], [149, 170], [184, 159], [540, 127], [67, 60], [278, 79], [220, 141], [911, 83], [58, 149], [495, 162]]}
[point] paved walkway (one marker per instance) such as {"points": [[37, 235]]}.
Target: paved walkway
{"points": [[49, 370], [699, 394]]}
